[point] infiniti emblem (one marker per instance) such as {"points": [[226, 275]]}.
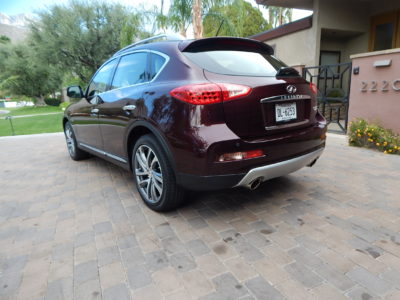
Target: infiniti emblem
{"points": [[291, 89]]}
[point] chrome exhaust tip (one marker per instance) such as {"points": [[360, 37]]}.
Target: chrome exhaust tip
{"points": [[254, 184]]}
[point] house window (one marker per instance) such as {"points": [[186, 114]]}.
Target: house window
{"points": [[385, 31]]}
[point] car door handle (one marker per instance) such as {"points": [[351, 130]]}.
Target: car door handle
{"points": [[94, 111], [129, 107]]}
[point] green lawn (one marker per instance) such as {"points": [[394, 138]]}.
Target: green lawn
{"points": [[32, 125], [30, 110]]}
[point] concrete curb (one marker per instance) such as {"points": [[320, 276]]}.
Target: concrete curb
{"points": [[31, 135]]}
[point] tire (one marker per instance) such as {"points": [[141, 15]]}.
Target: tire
{"points": [[154, 176], [74, 152]]}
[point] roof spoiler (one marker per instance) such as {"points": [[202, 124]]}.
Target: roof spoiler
{"points": [[224, 43]]}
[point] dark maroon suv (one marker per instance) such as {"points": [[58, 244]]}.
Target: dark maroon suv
{"points": [[201, 114]]}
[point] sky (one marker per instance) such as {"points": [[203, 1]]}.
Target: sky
{"points": [[14, 7]]}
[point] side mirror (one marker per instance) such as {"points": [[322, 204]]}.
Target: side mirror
{"points": [[75, 91]]}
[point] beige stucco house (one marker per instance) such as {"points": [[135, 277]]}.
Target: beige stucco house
{"points": [[365, 33], [344, 26]]}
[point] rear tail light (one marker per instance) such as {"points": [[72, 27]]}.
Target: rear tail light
{"points": [[313, 88], [208, 93], [240, 155]]}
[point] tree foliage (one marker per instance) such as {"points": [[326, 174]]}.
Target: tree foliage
{"points": [[80, 35], [180, 15], [239, 19], [4, 39], [279, 15], [22, 72]]}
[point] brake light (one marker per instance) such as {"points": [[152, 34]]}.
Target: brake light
{"points": [[313, 88], [240, 155], [208, 93]]}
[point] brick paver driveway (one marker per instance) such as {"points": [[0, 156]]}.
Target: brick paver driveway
{"points": [[78, 230]]}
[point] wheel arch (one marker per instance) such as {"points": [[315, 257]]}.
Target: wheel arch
{"points": [[65, 120], [140, 128]]}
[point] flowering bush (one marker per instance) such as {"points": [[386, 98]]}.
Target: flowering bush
{"points": [[362, 134]]}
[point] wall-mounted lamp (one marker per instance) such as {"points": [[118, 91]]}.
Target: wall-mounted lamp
{"points": [[382, 63]]}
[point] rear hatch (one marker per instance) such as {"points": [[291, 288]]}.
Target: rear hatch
{"points": [[279, 101]]}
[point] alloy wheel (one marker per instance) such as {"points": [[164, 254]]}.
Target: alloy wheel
{"points": [[148, 173], [70, 140]]}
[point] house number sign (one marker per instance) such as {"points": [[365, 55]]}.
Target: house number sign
{"points": [[374, 86]]}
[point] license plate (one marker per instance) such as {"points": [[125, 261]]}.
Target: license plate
{"points": [[285, 112]]}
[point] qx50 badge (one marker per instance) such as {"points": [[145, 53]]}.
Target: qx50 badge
{"points": [[291, 89]]}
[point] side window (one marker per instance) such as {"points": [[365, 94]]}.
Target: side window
{"points": [[100, 81], [156, 63], [132, 69]]}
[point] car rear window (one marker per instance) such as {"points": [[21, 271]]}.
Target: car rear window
{"points": [[240, 63]]}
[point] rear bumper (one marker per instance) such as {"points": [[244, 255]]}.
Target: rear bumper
{"points": [[279, 169], [216, 182]]}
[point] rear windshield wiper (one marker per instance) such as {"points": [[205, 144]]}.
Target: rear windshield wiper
{"points": [[287, 72]]}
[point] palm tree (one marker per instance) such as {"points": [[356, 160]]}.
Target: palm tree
{"points": [[180, 15]]}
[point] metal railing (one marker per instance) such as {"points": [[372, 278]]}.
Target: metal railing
{"points": [[333, 83]]}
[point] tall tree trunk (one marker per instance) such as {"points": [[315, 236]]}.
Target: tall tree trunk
{"points": [[182, 30], [40, 101], [196, 19]]}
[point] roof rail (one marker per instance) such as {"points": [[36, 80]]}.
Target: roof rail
{"points": [[153, 39]]}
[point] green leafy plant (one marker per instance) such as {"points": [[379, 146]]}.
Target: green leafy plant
{"points": [[363, 134], [52, 101]]}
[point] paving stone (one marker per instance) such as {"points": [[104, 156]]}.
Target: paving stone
{"points": [[172, 245], [84, 238], [197, 247], [310, 244], [228, 287], [108, 255], [305, 257], [167, 280], [85, 271], [111, 274], [257, 239], [263, 227], [89, 290], [164, 230], [132, 257], [392, 276], [262, 289], [196, 283], [156, 260], [13, 264], [210, 265], [369, 281], [117, 292], [9, 284], [127, 241], [306, 236], [182, 262], [334, 277], [197, 223], [361, 293], [102, 227], [243, 247], [138, 276], [240, 269], [60, 289], [303, 275]]}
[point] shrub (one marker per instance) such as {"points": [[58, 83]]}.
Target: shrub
{"points": [[64, 105], [362, 134], [52, 101]]}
